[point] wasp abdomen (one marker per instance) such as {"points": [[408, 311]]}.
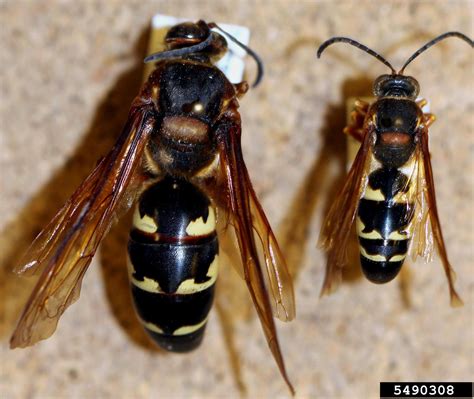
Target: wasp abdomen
{"points": [[173, 259], [384, 219]]}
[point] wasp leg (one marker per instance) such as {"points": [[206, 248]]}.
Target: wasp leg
{"points": [[241, 88], [361, 106], [357, 117], [428, 119], [354, 132], [422, 102]]}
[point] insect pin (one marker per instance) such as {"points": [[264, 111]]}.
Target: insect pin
{"points": [[179, 158], [389, 191]]}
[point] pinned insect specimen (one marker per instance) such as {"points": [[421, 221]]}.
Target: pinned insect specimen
{"points": [[179, 159], [389, 192]]}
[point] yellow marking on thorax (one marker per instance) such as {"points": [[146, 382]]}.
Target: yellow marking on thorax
{"points": [[150, 163], [209, 169], [155, 90], [199, 227], [374, 234], [189, 286], [145, 223], [189, 329]]}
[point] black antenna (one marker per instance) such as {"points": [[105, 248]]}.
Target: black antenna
{"points": [[180, 52], [360, 46], [433, 42], [249, 51]]}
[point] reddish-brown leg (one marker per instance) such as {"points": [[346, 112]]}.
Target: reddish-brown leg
{"points": [[355, 127]]}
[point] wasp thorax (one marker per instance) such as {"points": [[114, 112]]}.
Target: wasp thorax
{"points": [[396, 124], [396, 115], [183, 145], [396, 86]]}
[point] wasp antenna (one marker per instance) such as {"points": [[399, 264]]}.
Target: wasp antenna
{"points": [[180, 52], [433, 42], [360, 46], [253, 54]]}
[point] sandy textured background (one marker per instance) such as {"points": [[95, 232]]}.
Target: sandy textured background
{"points": [[69, 72]]}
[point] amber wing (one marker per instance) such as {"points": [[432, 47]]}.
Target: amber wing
{"points": [[337, 226], [247, 216], [427, 230], [64, 249]]}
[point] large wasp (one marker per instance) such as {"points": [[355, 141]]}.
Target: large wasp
{"points": [[389, 191], [179, 158]]}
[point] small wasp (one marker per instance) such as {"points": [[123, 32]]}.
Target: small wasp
{"points": [[389, 191], [179, 158]]}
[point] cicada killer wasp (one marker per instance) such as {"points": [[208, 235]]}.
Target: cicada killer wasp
{"points": [[389, 192], [179, 158]]}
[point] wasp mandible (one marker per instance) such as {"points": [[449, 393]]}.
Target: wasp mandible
{"points": [[179, 159], [389, 191]]}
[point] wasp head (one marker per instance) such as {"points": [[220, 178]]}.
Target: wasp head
{"points": [[186, 34], [190, 34], [194, 41], [396, 85]]}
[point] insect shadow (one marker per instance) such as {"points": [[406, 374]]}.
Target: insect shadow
{"points": [[321, 175], [106, 124]]}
